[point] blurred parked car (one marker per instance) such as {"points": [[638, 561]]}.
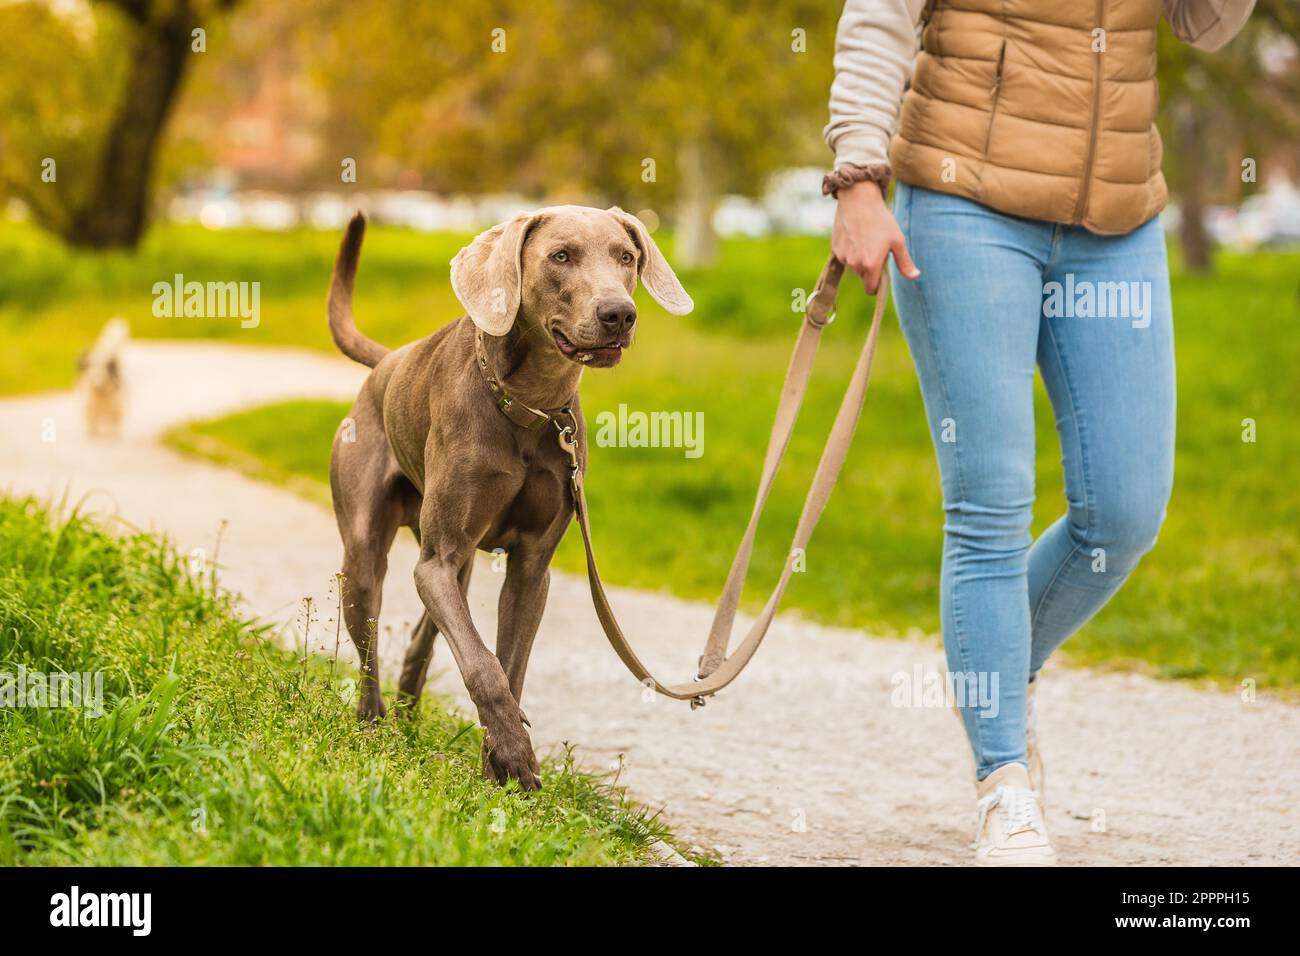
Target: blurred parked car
{"points": [[739, 216], [1270, 218]]}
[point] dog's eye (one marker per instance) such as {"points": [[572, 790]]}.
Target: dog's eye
{"points": [[561, 256], [627, 258]]}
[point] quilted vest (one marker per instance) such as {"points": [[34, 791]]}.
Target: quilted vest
{"points": [[1043, 109]]}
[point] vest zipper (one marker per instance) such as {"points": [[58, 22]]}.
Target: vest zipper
{"points": [[996, 94], [1084, 189]]}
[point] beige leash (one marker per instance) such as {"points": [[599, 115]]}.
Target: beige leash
{"points": [[716, 669]]}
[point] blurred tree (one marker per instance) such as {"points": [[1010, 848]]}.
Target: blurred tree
{"points": [[676, 102], [1223, 109], [663, 106], [82, 130]]}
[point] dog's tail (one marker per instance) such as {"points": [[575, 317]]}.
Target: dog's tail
{"points": [[342, 326]]}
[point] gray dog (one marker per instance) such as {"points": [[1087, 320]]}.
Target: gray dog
{"points": [[456, 439]]}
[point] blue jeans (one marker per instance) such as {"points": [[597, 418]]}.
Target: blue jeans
{"points": [[998, 295]]}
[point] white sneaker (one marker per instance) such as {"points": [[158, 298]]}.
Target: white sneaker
{"points": [[1011, 831], [1037, 776]]}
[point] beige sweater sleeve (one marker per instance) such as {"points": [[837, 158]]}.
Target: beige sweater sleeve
{"points": [[875, 47], [1207, 24]]}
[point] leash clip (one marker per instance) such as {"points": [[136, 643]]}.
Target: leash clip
{"points": [[568, 445], [698, 700]]}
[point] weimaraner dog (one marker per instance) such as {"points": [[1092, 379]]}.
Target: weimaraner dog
{"points": [[455, 436]]}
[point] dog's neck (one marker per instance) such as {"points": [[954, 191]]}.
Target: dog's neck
{"points": [[531, 368]]}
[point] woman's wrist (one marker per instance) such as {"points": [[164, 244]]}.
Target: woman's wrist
{"points": [[865, 194]]}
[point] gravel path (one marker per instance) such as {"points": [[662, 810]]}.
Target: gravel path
{"points": [[803, 761]]}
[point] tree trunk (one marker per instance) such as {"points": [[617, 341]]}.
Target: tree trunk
{"points": [[1191, 153], [113, 211], [696, 243]]}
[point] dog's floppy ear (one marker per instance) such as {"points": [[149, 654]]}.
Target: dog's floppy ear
{"points": [[487, 275], [656, 274]]}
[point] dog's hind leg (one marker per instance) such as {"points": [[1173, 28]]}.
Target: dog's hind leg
{"points": [[370, 501], [365, 564], [415, 669], [416, 666]]}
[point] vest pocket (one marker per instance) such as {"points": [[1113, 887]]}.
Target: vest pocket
{"points": [[996, 95]]}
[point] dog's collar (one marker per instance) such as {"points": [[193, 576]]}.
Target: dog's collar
{"points": [[525, 416]]}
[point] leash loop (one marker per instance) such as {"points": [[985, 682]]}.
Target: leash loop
{"points": [[717, 669]]}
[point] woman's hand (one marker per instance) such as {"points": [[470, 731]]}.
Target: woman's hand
{"points": [[865, 233]]}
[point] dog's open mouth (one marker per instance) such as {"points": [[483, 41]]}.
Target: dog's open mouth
{"points": [[601, 356]]}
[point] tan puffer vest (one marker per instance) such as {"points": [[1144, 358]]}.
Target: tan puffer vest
{"points": [[1011, 107]]}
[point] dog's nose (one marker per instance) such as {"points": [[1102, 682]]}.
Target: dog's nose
{"points": [[616, 314]]}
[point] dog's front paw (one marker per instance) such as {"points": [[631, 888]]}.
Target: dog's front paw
{"points": [[508, 755], [371, 707]]}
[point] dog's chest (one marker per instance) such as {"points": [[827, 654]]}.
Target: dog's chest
{"points": [[536, 504]]}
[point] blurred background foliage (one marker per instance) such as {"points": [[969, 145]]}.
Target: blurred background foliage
{"points": [[665, 106]]}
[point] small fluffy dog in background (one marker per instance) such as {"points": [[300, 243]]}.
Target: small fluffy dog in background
{"points": [[100, 369]]}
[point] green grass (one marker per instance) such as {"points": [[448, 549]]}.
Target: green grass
{"points": [[217, 747], [54, 300], [1219, 597]]}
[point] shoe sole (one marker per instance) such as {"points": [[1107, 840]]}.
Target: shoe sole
{"points": [[1009, 863]]}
